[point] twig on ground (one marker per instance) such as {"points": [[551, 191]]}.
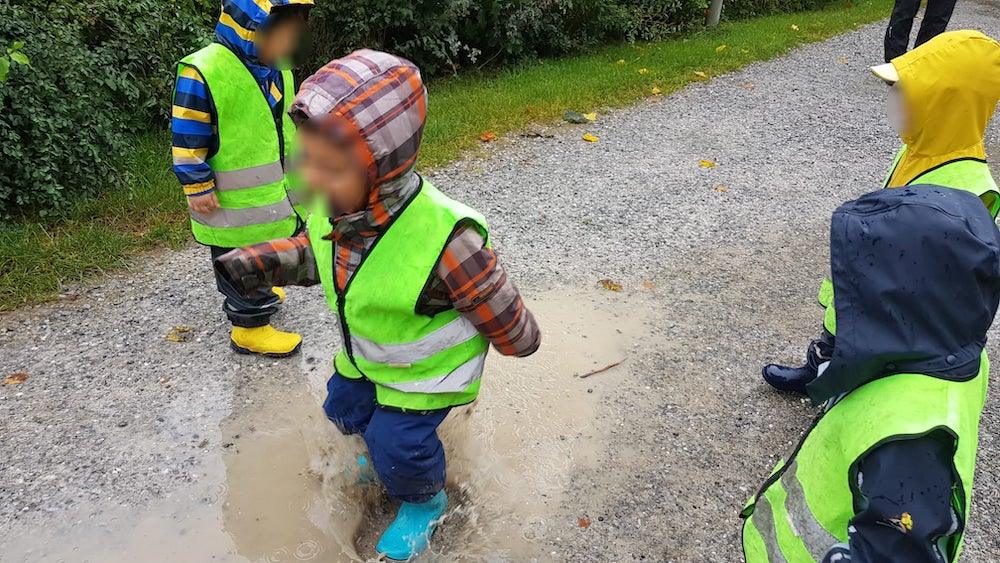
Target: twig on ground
{"points": [[603, 369]]}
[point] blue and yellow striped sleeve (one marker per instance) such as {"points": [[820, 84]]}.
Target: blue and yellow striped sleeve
{"points": [[194, 135]]}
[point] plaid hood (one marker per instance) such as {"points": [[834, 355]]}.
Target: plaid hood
{"points": [[377, 100]]}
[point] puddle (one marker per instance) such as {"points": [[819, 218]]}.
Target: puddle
{"points": [[285, 488]]}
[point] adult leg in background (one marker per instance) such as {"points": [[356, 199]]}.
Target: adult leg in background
{"points": [[936, 18], [897, 35]]}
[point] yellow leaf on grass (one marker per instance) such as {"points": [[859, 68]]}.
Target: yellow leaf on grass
{"points": [[592, 116], [620, 61], [656, 91], [591, 138], [707, 163], [643, 70], [15, 378], [700, 74], [795, 27], [721, 48], [488, 137], [610, 285]]}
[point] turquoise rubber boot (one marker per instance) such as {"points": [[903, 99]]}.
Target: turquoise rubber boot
{"points": [[411, 531]]}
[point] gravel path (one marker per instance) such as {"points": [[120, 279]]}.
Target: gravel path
{"points": [[114, 415]]}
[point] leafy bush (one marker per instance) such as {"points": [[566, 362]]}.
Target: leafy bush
{"points": [[738, 9], [100, 72], [443, 36]]}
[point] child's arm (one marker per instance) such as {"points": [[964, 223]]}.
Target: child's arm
{"points": [[286, 261], [194, 138], [480, 290]]}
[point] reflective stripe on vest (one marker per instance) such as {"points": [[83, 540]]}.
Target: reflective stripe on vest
{"points": [[246, 216], [806, 506], [249, 177], [417, 362], [451, 334], [249, 180], [455, 382]]}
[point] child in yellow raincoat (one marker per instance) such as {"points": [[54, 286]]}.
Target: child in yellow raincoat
{"points": [[941, 99]]}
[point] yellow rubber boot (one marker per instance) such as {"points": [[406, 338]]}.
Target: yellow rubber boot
{"points": [[265, 340], [280, 292]]}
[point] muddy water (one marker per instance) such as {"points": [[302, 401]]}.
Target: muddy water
{"points": [[293, 490], [286, 486]]}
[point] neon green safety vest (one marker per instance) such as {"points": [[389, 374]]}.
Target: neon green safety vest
{"points": [[968, 174], [805, 507], [417, 362], [250, 182]]}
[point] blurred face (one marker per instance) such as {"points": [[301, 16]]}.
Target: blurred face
{"points": [[331, 171], [278, 41], [898, 110]]}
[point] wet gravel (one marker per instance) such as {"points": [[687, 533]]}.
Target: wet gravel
{"points": [[112, 413]]}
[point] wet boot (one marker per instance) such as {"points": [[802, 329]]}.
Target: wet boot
{"points": [[364, 474], [264, 340], [410, 533], [795, 379]]}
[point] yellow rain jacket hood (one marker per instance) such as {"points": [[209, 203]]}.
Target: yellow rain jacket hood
{"points": [[951, 86]]}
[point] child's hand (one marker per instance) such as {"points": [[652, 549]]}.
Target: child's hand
{"points": [[204, 204]]}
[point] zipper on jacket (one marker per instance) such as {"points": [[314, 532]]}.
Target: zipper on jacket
{"points": [[342, 293]]}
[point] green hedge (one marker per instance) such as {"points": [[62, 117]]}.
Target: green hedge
{"points": [[101, 71]]}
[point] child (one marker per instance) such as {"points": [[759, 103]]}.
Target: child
{"points": [[943, 95], [885, 472], [230, 141], [418, 291]]}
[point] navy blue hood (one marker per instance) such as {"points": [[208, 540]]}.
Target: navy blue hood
{"points": [[916, 276]]}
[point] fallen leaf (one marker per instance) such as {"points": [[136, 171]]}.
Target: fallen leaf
{"points": [[620, 62], [591, 138], [795, 27], [746, 85], [592, 116], [707, 163], [488, 137], [648, 285], [583, 522], [574, 117], [842, 60], [700, 74], [720, 188], [179, 334], [15, 378], [643, 70], [721, 48], [610, 285], [745, 51], [656, 91]]}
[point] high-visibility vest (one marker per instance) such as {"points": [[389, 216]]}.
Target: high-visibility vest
{"points": [[249, 166], [417, 362], [806, 505], [967, 174]]}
